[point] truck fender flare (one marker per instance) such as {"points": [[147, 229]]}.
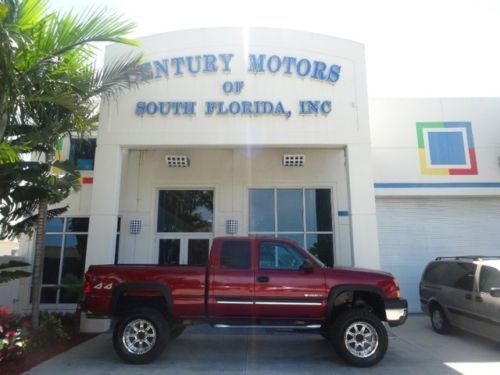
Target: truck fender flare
{"points": [[163, 289], [337, 290]]}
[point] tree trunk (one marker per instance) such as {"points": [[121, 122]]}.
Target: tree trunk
{"points": [[3, 124], [36, 284]]}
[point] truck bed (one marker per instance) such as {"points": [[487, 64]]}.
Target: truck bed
{"points": [[186, 284]]}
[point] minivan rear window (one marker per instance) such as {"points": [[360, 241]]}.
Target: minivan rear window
{"points": [[458, 275]]}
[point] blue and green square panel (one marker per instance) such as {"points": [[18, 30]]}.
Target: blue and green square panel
{"points": [[446, 148]]}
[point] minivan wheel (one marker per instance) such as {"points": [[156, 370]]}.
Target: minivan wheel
{"points": [[439, 321], [359, 337], [141, 335]]}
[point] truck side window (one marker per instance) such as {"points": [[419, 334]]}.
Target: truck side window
{"points": [[279, 256], [489, 278], [235, 255]]}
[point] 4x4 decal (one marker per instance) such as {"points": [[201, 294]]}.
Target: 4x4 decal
{"points": [[101, 286]]}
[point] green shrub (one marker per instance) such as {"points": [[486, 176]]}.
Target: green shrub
{"points": [[52, 323], [51, 330]]}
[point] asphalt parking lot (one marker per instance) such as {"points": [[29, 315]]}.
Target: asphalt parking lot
{"points": [[413, 349]]}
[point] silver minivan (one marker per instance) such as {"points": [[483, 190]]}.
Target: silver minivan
{"points": [[463, 292]]}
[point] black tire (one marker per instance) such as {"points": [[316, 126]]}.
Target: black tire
{"points": [[324, 331], [176, 331], [439, 321], [141, 335], [359, 337]]}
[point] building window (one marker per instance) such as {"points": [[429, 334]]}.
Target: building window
{"points": [[82, 153], [64, 262], [300, 215], [185, 211]]}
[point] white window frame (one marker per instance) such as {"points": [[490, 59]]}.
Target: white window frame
{"points": [[184, 237], [304, 233]]}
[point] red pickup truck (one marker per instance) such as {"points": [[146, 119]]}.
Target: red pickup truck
{"points": [[265, 282]]}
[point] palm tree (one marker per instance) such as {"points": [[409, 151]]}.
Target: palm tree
{"points": [[7, 275], [48, 90]]}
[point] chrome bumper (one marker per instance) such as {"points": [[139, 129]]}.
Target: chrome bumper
{"points": [[396, 312]]}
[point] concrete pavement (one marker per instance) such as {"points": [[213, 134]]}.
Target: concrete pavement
{"points": [[413, 349]]}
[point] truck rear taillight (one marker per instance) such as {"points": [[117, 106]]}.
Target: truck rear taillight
{"points": [[87, 286]]}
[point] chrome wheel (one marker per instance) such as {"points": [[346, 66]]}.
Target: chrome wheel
{"points": [[139, 336], [361, 339]]}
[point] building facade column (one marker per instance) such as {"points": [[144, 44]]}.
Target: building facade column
{"points": [[363, 216], [104, 208]]}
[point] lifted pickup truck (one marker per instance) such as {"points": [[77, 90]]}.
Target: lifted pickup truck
{"points": [[265, 282]]}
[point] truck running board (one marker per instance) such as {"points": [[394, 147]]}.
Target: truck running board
{"points": [[307, 327]]}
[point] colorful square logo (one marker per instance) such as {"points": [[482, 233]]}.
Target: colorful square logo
{"points": [[446, 148]]}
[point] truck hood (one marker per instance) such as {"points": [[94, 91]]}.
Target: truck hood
{"points": [[363, 271], [357, 276]]}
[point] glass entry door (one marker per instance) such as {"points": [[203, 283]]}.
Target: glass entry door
{"points": [[184, 229], [187, 249]]}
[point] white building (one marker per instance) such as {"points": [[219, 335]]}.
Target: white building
{"points": [[437, 182], [267, 132]]}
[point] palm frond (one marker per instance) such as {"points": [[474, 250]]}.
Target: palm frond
{"points": [[26, 225], [13, 264], [8, 154], [6, 276], [70, 31], [31, 12], [114, 77], [4, 11]]}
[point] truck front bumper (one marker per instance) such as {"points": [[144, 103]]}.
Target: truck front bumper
{"points": [[396, 311]]}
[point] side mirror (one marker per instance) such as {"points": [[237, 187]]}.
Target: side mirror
{"points": [[495, 292], [307, 267]]}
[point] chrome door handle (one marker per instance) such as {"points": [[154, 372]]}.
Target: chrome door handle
{"points": [[263, 279], [468, 296]]}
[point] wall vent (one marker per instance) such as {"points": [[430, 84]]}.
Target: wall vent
{"points": [[294, 160], [135, 226], [231, 226], [177, 161]]}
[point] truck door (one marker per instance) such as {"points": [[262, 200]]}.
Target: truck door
{"points": [[231, 280], [282, 288]]}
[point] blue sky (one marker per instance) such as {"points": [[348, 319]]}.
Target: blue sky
{"points": [[425, 48]]}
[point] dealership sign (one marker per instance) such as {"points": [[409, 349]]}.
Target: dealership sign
{"points": [[258, 64]]}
